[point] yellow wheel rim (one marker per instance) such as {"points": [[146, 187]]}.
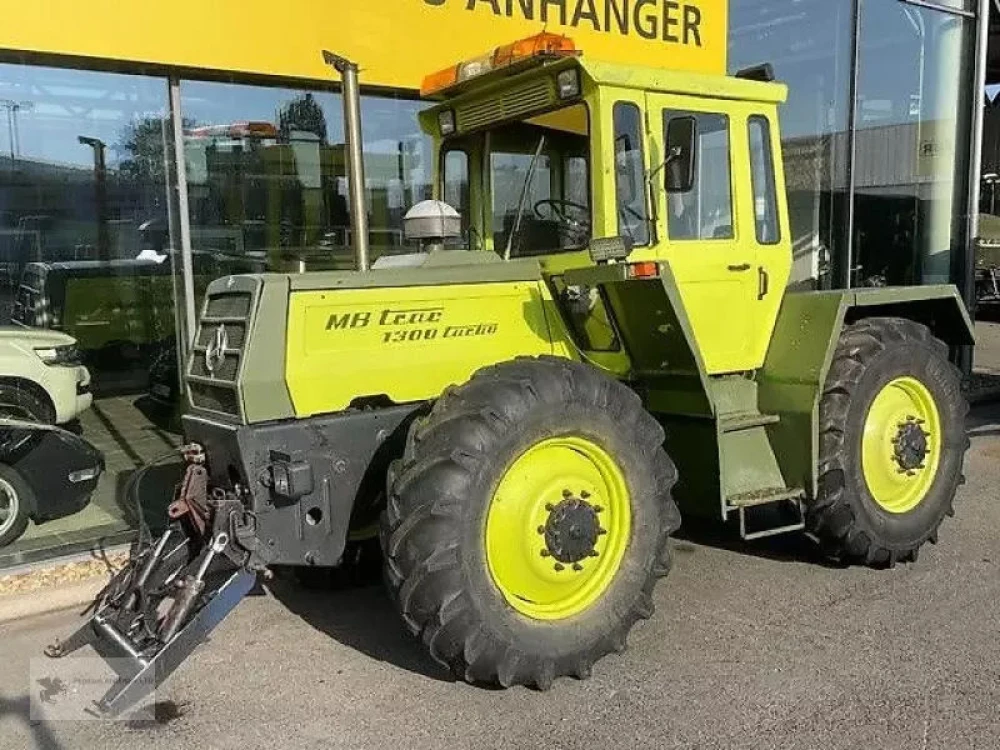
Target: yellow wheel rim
{"points": [[557, 528], [901, 445]]}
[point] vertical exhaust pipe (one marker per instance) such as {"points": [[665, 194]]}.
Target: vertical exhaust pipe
{"points": [[355, 165]]}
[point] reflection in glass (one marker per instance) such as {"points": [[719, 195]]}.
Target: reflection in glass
{"points": [[912, 142], [85, 247], [267, 177], [809, 44], [83, 216]]}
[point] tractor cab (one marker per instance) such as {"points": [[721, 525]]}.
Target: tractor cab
{"points": [[543, 151]]}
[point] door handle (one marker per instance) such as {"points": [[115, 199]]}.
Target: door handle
{"points": [[762, 283], [740, 267]]}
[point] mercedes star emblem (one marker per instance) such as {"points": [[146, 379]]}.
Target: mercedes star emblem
{"points": [[215, 353]]}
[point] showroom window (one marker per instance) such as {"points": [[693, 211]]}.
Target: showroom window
{"points": [[912, 144], [85, 249], [895, 212], [267, 177]]}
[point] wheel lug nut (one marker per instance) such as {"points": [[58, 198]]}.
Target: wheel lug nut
{"points": [[577, 567], [545, 553], [559, 567], [567, 493], [601, 531], [584, 494], [598, 509], [593, 553], [541, 529], [549, 507]]}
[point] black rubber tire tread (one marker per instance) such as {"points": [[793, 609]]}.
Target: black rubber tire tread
{"points": [[844, 518], [26, 501], [30, 399], [438, 495]]}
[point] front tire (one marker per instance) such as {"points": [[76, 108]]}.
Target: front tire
{"points": [[20, 402], [892, 443], [16, 500], [527, 522]]}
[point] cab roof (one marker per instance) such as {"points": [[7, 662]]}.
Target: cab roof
{"points": [[600, 73], [665, 80]]}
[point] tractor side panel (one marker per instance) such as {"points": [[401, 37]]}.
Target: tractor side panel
{"points": [[794, 371], [405, 343], [670, 375]]}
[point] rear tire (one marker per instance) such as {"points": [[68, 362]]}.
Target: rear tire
{"points": [[886, 486], [446, 552]]}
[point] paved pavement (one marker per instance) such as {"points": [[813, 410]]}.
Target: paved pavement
{"points": [[752, 646]]}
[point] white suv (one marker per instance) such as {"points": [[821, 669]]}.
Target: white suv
{"points": [[41, 377]]}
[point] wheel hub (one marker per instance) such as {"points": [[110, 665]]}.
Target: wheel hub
{"points": [[901, 444], [910, 445], [571, 530], [558, 527]]}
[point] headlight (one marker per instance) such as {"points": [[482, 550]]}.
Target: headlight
{"points": [[568, 83], [446, 121], [67, 355], [84, 475]]}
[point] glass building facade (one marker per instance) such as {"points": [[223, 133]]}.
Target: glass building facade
{"points": [[90, 236], [125, 189], [877, 133]]}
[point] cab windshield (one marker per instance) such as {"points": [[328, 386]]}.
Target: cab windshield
{"points": [[535, 180]]}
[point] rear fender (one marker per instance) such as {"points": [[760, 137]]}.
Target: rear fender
{"points": [[802, 347]]}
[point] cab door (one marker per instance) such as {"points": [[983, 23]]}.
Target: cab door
{"points": [[700, 235]]}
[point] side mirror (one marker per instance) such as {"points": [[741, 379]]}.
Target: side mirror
{"points": [[679, 164]]}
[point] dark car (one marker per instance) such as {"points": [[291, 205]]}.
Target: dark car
{"points": [[45, 473]]}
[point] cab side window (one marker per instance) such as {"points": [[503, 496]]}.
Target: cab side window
{"points": [[765, 199], [630, 174], [455, 179], [705, 211]]}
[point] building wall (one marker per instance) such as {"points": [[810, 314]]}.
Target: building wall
{"points": [[88, 167]]}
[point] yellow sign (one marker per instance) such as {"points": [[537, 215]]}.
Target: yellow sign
{"points": [[396, 42]]}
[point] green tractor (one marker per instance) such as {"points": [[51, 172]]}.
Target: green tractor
{"points": [[594, 338]]}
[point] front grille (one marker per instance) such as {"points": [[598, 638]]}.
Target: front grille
{"points": [[214, 365], [532, 96], [229, 305]]}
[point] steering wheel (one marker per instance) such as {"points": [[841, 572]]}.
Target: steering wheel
{"points": [[561, 209]]}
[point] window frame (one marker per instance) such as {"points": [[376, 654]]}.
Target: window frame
{"points": [[649, 217], [488, 193], [771, 181], [668, 114]]}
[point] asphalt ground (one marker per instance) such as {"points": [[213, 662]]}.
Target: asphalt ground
{"points": [[752, 646]]}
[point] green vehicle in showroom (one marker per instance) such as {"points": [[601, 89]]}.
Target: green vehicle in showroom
{"points": [[524, 412]]}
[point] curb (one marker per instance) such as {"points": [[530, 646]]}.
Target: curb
{"points": [[45, 601]]}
